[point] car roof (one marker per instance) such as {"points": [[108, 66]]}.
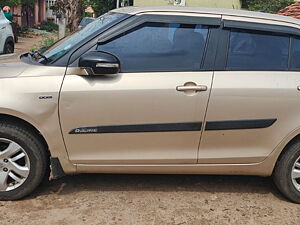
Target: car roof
{"points": [[227, 12]]}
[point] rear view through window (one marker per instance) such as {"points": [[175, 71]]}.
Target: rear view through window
{"points": [[257, 51], [295, 54], [160, 47]]}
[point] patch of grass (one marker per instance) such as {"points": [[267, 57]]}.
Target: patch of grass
{"points": [[22, 30], [48, 26], [46, 42]]}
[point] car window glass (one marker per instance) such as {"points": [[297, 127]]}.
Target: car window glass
{"points": [[159, 47], [257, 51], [295, 54], [1, 15], [66, 44]]}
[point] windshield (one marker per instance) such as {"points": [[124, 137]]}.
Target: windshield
{"points": [[65, 44], [85, 21]]}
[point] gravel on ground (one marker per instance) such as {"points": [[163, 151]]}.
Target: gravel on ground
{"points": [[153, 199]]}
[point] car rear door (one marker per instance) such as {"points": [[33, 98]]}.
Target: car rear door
{"points": [[152, 111], [254, 103]]}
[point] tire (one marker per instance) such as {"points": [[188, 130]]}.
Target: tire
{"points": [[15, 31], [282, 174], [9, 47], [35, 161]]}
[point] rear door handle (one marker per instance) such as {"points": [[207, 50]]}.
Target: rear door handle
{"points": [[197, 88]]}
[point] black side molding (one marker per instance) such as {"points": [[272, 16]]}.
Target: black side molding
{"points": [[176, 127], [239, 124], [139, 128]]}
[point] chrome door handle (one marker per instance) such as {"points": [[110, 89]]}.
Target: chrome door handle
{"points": [[197, 88]]}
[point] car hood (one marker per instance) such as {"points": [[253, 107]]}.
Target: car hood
{"points": [[16, 68], [12, 69]]}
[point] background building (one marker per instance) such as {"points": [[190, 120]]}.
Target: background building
{"points": [[291, 10], [30, 15], [49, 11], [231, 4]]}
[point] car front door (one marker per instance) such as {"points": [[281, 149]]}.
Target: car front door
{"points": [[152, 111]]}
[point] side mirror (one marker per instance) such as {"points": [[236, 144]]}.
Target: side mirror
{"points": [[99, 63]]}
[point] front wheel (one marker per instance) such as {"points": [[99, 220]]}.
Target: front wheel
{"points": [[23, 161], [287, 172]]}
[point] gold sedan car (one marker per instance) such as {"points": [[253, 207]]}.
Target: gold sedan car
{"points": [[160, 90]]}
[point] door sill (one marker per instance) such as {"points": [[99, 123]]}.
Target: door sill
{"points": [[259, 169]]}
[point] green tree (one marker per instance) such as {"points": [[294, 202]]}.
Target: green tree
{"points": [[10, 3], [101, 6], [269, 6], [13, 3]]}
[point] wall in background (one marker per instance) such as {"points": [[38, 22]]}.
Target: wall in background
{"points": [[231, 4]]}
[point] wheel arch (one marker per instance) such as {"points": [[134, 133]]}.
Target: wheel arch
{"points": [[28, 125], [293, 137], [59, 161], [10, 39]]}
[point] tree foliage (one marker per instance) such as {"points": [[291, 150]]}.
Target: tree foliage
{"points": [[269, 6], [101, 6], [13, 3], [10, 3]]}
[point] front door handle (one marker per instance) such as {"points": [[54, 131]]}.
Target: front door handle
{"points": [[197, 88]]}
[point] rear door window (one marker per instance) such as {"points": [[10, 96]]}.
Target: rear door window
{"points": [[154, 47], [295, 54], [257, 51]]}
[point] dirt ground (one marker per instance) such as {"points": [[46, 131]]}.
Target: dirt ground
{"points": [[153, 199], [24, 45]]}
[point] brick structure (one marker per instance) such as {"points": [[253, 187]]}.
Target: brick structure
{"points": [[291, 10]]}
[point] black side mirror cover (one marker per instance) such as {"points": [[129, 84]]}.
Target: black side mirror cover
{"points": [[100, 63]]}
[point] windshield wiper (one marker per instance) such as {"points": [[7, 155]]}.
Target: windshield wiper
{"points": [[37, 55]]}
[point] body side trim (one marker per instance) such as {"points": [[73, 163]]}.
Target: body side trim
{"points": [[176, 127], [239, 124], [136, 128]]}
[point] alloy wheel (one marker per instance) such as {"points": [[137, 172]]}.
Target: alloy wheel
{"points": [[296, 174], [14, 165]]}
